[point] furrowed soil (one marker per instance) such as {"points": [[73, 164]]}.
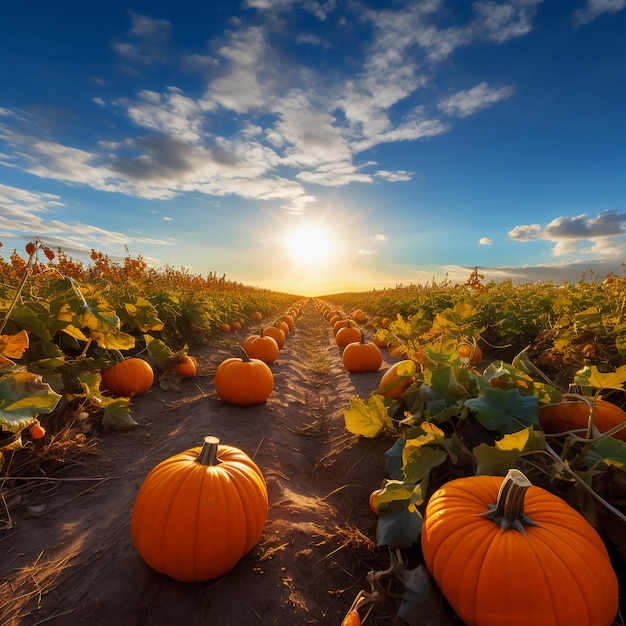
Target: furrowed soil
{"points": [[66, 555]]}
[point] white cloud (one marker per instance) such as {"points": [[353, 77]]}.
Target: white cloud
{"points": [[99, 101], [568, 232], [367, 252], [485, 241], [594, 8], [380, 237], [465, 103]]}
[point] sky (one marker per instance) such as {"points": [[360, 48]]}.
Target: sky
{"points": [[319, 146]]}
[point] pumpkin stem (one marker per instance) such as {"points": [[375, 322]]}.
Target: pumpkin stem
{"points": [[208, 453], [508, 511], [243, 354]]}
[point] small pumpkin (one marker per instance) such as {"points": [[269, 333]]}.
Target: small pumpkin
{"points": [[225, 328], [187, 366], [360, 316], [257, 316], [347, 335], [361, 356], [199, 512], [236, 325], [243, 381], [130, 377], [263, 348], [397, 378], [277, 334], [518, 561], [290, 320], [573, 414]]}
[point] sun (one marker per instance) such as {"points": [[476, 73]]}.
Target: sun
{"points": [[309, 245]]}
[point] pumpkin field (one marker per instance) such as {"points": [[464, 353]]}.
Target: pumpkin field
{"points": [[185, 449]]}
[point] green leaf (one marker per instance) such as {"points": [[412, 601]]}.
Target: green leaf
{"points": [[393, 459], [368, 420], [144, 315], [23, 396], [399, 525], [423, 453], [589, 376], [496, 460], [422, 602], [503, 411], [117, 414], [610, 452], [114, 340]]}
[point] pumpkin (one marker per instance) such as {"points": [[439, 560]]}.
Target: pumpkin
{"points": [[187, 366], [528, 559], [236, 325], [290, 320], [347, 335], [128, 378], [397, 378], [263, 348], [361, 356], [257, 316], [283, 326], [342, 323], [470, 353], [277, 334], [199, 512], [225, 328], [243, 381], [573, 414], [372, 500], [359, 316]]}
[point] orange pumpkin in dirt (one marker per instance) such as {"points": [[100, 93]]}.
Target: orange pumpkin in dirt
{"points": [[199, 512], [187, 366], [362, 356], [277, 334], [263, 348], [243, 381], [131, 377], [347, 335]]}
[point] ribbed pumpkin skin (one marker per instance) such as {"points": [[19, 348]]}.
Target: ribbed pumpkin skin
{"points": [[557, 418], [194, 522], [560, 575], [243, 382], [361, 357], [277, 334], [130, 377], [346, 335], [262, 348]]}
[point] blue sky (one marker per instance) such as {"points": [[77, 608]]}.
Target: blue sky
{"points": [[319, 146]]}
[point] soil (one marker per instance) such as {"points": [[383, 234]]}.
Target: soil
{"points": [[66, 556]]}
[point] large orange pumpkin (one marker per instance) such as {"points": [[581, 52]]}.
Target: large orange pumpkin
{"points": [[199, 512], [361, 356], [243, 381], [128, 378], [504, 552], [263, 348], [573, 414]]}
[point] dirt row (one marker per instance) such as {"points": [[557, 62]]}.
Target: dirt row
{"points": [[66, 556]]}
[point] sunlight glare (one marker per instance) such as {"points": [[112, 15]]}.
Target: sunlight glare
{"points": [[309, 245]]}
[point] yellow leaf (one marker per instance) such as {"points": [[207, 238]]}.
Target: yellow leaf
{"points": [[13, 346]]}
